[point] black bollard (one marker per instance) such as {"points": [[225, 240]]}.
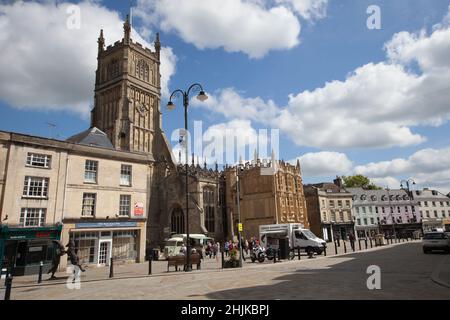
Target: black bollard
{"points": [[359, 243], [339, 243], [8, 284], [365, 242], [345, 247], [335, 246], [223, 259], [274, 256], [150, 265], [298, 251], [325, 251], [371, 243], [111, 268], [41, 265]]}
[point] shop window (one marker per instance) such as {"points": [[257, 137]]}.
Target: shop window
{"points": [[124, 245], [85, 245], [32, 217]]}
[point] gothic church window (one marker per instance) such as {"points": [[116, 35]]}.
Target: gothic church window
{"points": [[208, 207], [177, 221]]}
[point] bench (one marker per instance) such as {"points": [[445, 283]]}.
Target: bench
{"points": [[180, 260]]}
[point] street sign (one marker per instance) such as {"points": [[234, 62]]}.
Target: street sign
{"points": [[240, 227]]}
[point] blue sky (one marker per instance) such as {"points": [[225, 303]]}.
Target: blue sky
{"points": [[332, 44]]}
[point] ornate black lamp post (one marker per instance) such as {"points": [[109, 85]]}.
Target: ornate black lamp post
{"points": [[170, 105]]}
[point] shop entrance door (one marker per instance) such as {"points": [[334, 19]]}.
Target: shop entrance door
{"points": [[104, 252]]}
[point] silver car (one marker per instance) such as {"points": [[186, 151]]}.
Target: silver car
{"points": [[436, 241]]}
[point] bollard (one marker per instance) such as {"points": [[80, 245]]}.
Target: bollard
{"points": [[8, 284], [345, 247], [325, 251], [223, 259], [111, 268], [371, 246], [335, 246], [359, 243], [339, 243], [41, 265], [150, 265], [365, 242], [298, 250]]}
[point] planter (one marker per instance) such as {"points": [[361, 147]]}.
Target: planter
{"points": [[231, 264]]}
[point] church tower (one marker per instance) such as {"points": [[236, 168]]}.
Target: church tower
{"points": [[128, 93]]}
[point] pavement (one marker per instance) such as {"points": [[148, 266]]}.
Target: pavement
{"points": [[405, 273]]}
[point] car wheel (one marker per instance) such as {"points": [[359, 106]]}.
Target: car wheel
{"points": [[319, 251], [426, 251]]}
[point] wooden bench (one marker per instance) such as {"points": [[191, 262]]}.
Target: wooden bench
{"points": [[180, 260]]}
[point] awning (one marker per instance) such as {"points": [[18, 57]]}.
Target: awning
{"points": [[28, 233]]}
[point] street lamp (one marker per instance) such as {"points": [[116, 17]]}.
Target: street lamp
{"points": [[170, 105], [410, 196], [239, 214]]}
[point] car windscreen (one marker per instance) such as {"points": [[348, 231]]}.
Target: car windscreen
{"points": [[309, 234], [429, 236], [171, 243]]}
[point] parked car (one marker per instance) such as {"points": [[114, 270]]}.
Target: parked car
{"points": [[436, 241]]}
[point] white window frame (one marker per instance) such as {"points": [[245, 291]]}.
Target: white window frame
{"points": [[123, 204], [44, 188], [89, 170], [129, 174], [24, 216], [34, 159], [94, 205]]}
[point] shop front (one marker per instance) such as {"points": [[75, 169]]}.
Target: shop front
{"points": [[97, 242], [22, 249]]}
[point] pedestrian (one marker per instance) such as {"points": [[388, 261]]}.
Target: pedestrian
{"points": [[226, 248], [351, 237]]}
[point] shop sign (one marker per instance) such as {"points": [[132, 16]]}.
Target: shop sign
{"points": [[89, 225], [138, 209]]}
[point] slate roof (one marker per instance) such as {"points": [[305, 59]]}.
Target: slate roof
{"points": [[92, 137]]}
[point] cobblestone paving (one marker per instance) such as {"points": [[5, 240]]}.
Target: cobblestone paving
{"points": [[406, 273]]}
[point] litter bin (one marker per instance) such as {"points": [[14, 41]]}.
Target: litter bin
{"points": [[284, 249]]}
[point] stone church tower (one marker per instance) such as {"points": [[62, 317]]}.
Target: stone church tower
{"points": [[127, 109], [128, 93]]}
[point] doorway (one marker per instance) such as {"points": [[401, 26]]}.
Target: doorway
{"points": [[104, 252]]}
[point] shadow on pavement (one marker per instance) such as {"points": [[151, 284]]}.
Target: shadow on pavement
{"points": [[405, 274]]}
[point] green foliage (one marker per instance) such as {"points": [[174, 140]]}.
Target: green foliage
{"points": [[359, 181]]}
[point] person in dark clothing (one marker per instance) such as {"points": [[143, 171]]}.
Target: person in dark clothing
{"points": [[58, 252], [351, 237], [73, 255]]}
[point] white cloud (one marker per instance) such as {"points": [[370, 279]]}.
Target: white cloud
{"points": [[46, 65], [428, 167], [376, 106], [308, 9], [232, 105], [251, 27], [321, 164]]}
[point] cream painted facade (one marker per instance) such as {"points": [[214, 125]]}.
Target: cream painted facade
{"points": [[123, 237]]}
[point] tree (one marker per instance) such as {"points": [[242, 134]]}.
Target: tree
{"points": [[359, 181]]}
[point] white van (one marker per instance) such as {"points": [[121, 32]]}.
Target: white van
{"points": [[298, 236]]}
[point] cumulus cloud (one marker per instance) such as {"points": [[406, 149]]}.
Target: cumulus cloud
{"points": [[48, 66], [376, 106], [230, 103], [428, 167], [253, 27], [307, 9], [321, 164]]}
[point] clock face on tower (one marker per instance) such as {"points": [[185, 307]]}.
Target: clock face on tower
{"points": [[142, 109]]}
